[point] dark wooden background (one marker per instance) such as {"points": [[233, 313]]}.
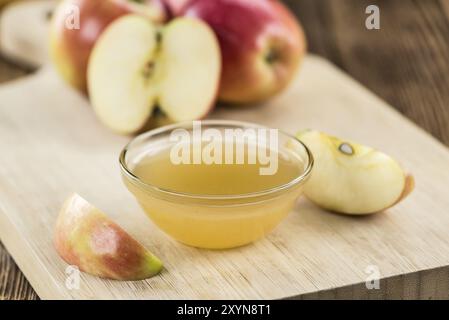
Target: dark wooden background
{"points": [[406, 63]]}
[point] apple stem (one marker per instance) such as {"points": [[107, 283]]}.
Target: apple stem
{"points": [[271, 56]]}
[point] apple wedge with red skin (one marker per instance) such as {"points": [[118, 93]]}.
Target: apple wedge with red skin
{"points": [[70, 47], [85, 237], [137, 65], [262, 45]]}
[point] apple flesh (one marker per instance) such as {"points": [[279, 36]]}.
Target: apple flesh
{"points": [[70, 47], [351, 178], [137, 65], [262, 45], [87, 238]]}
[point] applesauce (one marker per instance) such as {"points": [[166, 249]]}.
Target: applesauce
{"points": [[215, 204]]}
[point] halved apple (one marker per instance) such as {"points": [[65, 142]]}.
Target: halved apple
{"points": [[86, 237], [351, 178], [137, 65]]}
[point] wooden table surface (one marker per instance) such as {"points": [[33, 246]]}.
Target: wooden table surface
{"points": [[406, 63]]}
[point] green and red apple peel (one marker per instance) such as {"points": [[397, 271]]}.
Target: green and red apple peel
{"points": [[85, 237]]}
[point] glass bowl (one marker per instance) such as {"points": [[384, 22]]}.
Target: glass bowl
{"points": [[207, 220]]}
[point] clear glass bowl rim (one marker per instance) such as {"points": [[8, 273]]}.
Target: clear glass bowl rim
{"points": [[223, 123]]}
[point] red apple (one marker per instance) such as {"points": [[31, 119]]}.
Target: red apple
{"points": [[70, 46], [262, 45]]}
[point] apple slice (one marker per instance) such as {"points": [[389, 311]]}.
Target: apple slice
{"points": [[137, 65], [86, 237], [351, 178]]}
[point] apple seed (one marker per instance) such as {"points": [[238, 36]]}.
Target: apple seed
{"points": [[346, 148]]}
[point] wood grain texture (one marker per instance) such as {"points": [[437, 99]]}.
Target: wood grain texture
{"points": [[406, 63], [13, 284]]}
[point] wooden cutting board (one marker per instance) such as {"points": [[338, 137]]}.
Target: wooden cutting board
{"points": [[53, 146]]}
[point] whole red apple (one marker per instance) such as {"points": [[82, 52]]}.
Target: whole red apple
{"points": [[262, 45], [77, 24]]}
